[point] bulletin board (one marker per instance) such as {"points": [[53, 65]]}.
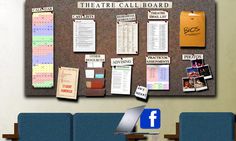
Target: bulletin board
{"points": [[106, 44]]}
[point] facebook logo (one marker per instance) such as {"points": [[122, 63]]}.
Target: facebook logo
{"points": [[150, 119]]}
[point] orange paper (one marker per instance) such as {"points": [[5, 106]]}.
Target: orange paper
{"points": [[192, 29]]}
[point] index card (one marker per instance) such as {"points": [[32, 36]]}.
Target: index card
{"points": [[157, 36], [84, 34], [157, 77], [141, 92], [89, 73], [127, 38], [121, 80]]}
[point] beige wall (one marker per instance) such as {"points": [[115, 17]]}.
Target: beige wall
{"points": [[12, 100]]}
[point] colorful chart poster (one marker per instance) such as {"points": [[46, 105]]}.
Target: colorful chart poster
{"points": [[158, 77], [42, 49]]}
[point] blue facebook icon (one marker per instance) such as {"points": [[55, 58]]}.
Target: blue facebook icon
{"points": [[150, 119]]}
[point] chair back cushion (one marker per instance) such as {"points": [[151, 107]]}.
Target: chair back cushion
{"points": [[45, 127], [96, 127], [206, 127]]}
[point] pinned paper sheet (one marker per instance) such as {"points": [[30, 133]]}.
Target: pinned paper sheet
{"points": [[158, 77], [127, 38], [67, 82], [157, 36], [42, 49], [121, 80], [84, 36]]}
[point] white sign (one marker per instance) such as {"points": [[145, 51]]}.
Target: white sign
{"points": [[83, 16], [122, 61], [157, 60], [158, 15], [191, 56], [126, 18], [95, 58], [141, 92], [124, 5], [42, 9]]}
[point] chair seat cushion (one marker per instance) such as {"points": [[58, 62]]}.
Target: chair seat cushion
{"points": [[45, 127], [206, 127]]}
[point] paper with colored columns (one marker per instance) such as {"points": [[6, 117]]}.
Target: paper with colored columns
{"points": [[42, 49]]}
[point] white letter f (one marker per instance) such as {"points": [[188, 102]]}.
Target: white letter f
{"points": [[152, 118]]}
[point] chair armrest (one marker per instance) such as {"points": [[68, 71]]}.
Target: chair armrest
{"points": [[173, 136], [134, 137], [13, 137]]}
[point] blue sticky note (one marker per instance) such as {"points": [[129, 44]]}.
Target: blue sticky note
{"points": [[99, 75]]}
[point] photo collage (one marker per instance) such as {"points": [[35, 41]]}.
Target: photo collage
{"points": [[197, 76]]}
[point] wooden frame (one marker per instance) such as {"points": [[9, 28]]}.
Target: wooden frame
{"points": [[15, 136]]}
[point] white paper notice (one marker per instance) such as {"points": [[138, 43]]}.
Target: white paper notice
{"points": [[157, 36], [84, 34], [89, 73], [121, 80], [127, 38]]}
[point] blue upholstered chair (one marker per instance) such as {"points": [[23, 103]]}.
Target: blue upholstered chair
{"points": [[204, 127]]}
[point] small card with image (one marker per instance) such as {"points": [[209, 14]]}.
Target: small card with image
{"points": [[200, 83], [188, 84], [197, 63], [205, 71], [192, 72]]}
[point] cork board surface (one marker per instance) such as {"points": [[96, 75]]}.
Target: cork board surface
{"points": [[106, 44]]}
